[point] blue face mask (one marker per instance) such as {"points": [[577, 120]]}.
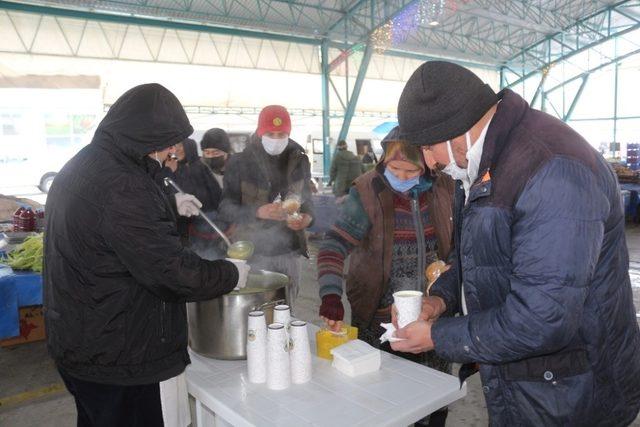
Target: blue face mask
{"points": [[400, 185]]}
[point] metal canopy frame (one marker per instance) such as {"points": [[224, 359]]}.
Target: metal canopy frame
{"points": [[597, 42], [522, 39], [614, 21]]}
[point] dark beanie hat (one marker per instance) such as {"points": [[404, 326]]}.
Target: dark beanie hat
{"points": [[441, 101], [216, 138]]}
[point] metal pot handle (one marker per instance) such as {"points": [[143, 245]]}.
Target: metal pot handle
{"points": [[269, 303]]}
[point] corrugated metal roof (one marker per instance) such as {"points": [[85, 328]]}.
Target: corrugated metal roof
{"points": [[479, 31]]}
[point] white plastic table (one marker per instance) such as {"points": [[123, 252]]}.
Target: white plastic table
{"points": [[399, 394]]}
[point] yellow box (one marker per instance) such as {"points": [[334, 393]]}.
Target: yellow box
{"points": [[326, 340]]}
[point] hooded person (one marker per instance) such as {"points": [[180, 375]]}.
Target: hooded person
{"points": [[399, 216], [116, 277], [540, 275], [345, 167], [267, 196]]}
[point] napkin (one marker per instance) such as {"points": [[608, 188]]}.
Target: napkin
{"points": [[389, 333]]}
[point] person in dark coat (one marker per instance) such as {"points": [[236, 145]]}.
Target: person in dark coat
{"points": [[203, 177], [345, 168], [271, 175], [194, 177], [541, 272], [116, 277]]}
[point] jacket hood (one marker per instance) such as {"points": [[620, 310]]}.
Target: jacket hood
{"points": [[144, 119], [190, 150]]}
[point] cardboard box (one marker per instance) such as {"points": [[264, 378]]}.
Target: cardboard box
{"points": [[31, 327]]}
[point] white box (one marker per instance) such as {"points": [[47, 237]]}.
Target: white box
{"points": [[356, 358]]}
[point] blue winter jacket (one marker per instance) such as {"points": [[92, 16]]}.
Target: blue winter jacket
{"points": [[542, 256]]}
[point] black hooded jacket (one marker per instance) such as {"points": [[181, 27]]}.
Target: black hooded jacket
{"points": [[194, 177], [116, 277]]}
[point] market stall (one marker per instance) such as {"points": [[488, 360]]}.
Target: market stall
{"points": [[21, 317], [18, 290]]}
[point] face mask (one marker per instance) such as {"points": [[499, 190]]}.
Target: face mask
{"points": [[452, 169], [274, 146], [215, 163], [400, 185]]}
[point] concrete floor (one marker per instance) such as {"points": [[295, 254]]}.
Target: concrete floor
{"points": [[30, 383]]}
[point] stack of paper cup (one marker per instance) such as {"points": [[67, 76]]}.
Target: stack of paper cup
{"points": [[278, 365], [282, 314], [257, 347], [243, 271], [408, 306], [300, 353]]}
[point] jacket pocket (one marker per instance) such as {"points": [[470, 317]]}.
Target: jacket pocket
{"points": [[566, 401]]}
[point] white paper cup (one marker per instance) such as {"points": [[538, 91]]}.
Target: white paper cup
{"points": [[243, 271], [278, 364], [300, 353], [257, 347], [282, 314], [408, 306]]}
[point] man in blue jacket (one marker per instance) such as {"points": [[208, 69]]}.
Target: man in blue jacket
{"points": [[540, 273]]}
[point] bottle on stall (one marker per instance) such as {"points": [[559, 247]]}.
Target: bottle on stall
{"points": [[27, 220], [16, 218]]}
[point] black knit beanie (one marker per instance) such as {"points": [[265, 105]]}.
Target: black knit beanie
{"points": [[216, 138], [441, 101]]}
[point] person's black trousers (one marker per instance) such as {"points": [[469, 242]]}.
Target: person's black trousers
{"points": [[106, 405]]}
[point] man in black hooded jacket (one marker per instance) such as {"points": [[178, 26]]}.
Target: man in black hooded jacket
{"points": [[116, 277]]}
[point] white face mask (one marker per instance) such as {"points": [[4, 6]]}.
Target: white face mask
{"points": [[274, 146], [452, 169]]}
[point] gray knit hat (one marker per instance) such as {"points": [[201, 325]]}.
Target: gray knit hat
{"points": [[441, 101]]}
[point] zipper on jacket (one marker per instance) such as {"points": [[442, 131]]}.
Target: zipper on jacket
{"points": [[162, 317], [419, 227]]}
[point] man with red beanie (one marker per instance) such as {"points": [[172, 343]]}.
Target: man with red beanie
{"points": [[267, 195]]}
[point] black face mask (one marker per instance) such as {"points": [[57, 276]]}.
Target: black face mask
{"points": [[215, 163]]}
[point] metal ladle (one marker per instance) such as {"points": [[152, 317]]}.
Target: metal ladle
{"points": [[237, 246]]}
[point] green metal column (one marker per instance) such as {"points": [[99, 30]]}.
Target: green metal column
{"points": [[576, 98], [539, 89], [326, 135], [351, 106]]}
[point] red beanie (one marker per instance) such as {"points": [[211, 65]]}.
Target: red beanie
{"points": [[274, 118]]}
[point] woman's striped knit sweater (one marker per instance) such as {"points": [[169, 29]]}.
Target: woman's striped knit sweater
{"points": [[351, 228]]}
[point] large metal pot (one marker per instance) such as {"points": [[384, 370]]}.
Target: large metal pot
{"points": [[218, 327]]}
